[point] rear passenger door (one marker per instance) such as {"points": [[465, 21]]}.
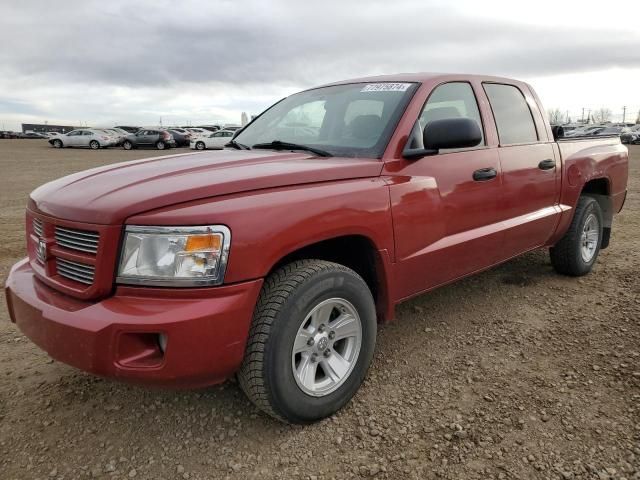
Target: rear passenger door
{"points": [[85, 138], [529, 169]]}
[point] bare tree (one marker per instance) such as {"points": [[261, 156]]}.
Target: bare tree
{"points": [[601, 115], [638, 118], [556, 116]]}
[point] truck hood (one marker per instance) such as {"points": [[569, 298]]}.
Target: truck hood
{"points": [[108, 195]]}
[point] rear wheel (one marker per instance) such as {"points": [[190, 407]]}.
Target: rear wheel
{"points": [[200, 146], [577, 252], [94, 144], [161, 145], [311, 341], [57, 143]]}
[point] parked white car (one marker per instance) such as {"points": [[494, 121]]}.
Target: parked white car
{"points": [[84, 137], [198, 132], [216, 140]]}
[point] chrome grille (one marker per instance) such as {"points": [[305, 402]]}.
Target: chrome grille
{"points": [[37, 227], [82, 240], [78, 272]]}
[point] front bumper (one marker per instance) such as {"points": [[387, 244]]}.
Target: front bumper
{"points": [[205, 329]]}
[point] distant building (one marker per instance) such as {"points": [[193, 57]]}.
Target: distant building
{"points": [[41, 128]]}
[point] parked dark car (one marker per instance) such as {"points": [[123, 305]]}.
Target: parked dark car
{"points": [[631, 137], [152, 138], [211, 128], [181, 136], [609, 131], [128, 129], [32, 136]]}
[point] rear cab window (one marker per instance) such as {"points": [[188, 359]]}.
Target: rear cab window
{"points": [[512, 115]]}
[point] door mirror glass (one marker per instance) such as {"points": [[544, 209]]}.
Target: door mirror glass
{"points": [[451, 133]]}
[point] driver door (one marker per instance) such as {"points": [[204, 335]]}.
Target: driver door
{"points": [[445, 211], [142, 137], [73, 138]]}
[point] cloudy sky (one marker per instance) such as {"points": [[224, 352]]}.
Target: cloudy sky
{"points": [[123, 62]]}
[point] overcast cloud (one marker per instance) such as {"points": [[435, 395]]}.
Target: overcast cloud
{"points": [[103, 62]]}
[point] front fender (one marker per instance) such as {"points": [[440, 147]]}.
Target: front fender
{"points": [[268, 224]]}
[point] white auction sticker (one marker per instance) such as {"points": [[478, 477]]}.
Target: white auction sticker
{"points": [[386, 87]]}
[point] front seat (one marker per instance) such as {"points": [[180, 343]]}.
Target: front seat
{"points": [[366, 127]]}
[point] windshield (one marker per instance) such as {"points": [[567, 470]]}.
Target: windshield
{"points": [[353, 120]]}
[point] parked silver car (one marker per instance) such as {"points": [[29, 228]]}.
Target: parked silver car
{"points": [[84, 137], [149, 137]]}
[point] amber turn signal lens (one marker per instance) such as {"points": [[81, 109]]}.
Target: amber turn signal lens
{"points": [[207, 242]]}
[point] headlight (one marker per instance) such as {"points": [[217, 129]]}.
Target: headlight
{"points": [[174, 256]]}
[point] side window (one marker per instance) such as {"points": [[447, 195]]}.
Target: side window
{"points": [[451, 100], [87, 133], [74, 133], [512, 115]]}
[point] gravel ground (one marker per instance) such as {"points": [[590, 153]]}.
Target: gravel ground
{"points": [[515, 373]]}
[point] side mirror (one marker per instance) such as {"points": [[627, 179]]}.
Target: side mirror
{"points": [[446, 133], [558, 132]]}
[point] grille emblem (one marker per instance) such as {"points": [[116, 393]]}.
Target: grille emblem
{"points": [[42, 250]]}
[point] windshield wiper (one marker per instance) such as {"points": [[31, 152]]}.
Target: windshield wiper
{"points": [[280, 145], [238, 146]]}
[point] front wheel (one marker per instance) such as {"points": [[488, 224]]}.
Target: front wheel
{"points": [[127, 145], [311, 341], [576, 252], [200, 146], [57, 143]]}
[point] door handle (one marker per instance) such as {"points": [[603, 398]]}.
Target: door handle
{"points": [[484, 174], [547, 164]]}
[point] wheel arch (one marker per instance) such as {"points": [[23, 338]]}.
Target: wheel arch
{"points": [[357, 252]]}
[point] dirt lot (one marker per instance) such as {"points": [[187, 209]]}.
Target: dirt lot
{"points": [[516, 373]]}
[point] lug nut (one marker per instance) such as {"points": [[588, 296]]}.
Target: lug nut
{"points": [[321, 328], [332, 335], [327, 352], [314, 357], [310, 342]]}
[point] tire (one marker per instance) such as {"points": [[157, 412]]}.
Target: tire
{"points": [[577, 251], [57, 143], [160, 145], [282, 315], [127, 145], [94, 145], [200, 146]]}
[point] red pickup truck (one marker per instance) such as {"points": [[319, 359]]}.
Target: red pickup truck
{"points": [[275, 258]]}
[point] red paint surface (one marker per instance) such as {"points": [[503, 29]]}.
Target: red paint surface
{"points": [[428, 221]]}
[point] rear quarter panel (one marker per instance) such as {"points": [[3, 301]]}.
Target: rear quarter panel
{"points": [[586, 160]]}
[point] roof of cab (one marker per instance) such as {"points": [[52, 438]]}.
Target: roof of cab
{"points": [[424, 77]]}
